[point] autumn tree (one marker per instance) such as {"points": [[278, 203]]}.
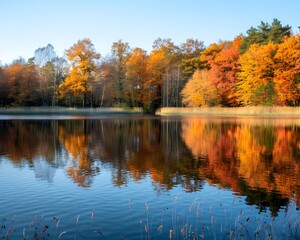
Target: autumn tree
{"points": [[82, 56], [199, 91], [14, 75], [255, 81], [22, 83], [223, 71], [164, 77], [190, 52], [156, 69], [287, 71], [171, 81], [3, 88], [137, 76], [29, 86], [121, 53], [105, 88]]}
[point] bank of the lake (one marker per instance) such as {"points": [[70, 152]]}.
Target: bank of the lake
{"points": [[66, 111], [258, 111], [239, 111]]}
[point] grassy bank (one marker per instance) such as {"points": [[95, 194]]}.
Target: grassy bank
{"points": [[213, 111], [240, 111], [65, 111]]}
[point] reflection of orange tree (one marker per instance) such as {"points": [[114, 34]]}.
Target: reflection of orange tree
{"points": [[135, 147], [131, 147], [264, 158], [113, 141], [164, 157], [149, 155], [273, 167], [214, 143], [74, 135], [287, 162]]}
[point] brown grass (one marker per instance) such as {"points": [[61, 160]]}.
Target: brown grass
{"points": [[240, 111]]}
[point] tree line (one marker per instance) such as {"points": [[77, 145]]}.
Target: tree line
{"points": [[261, 67]]}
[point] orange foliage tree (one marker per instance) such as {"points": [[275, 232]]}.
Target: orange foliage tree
{"points": [[82, 56], [287, 71], [223, 72], [22, 83], [137, 76], [156, 68]]}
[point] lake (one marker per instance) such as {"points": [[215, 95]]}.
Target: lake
{"points": [[149, 177]]}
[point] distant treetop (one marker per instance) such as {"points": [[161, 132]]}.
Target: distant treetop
{"points": [[264, 34]]}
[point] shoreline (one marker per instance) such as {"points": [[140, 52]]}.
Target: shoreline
{"points": [[66, 111], [288, 112], [293, 112]]}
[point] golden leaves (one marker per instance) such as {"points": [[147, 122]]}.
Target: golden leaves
{"points": [[199, 91], [83, 56], [257, 68]]}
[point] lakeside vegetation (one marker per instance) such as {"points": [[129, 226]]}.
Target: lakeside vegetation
{"points": [[264, 111], [259, 68], [192, 226]]}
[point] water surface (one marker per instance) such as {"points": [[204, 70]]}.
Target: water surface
{"points": [[139, 177]]}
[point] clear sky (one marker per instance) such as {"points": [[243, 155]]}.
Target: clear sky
{"points": [[29, 24]]}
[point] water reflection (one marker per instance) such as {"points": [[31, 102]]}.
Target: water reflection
{"points": [[257, 158]]}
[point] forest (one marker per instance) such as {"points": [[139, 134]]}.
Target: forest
{"points": [[261, 67]]}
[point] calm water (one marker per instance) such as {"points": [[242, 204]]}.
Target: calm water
{"points": [[133, 177]]}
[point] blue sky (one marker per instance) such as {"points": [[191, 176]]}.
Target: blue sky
{"points": [[29, 24]]}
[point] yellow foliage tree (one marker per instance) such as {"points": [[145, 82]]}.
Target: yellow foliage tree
{"points": [[82, 56], [257, 72], [199, 91]]}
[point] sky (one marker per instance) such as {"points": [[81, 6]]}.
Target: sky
{"points": [[27, 25]]}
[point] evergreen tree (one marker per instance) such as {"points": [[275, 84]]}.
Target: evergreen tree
{"points": [[265, 33]]}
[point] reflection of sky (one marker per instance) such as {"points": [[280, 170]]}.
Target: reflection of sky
{"points": [[25, 195], [13, 175], [43, 170]]}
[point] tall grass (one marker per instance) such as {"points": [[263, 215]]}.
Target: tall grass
{"points": [[196, 221], [239, 111]]}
